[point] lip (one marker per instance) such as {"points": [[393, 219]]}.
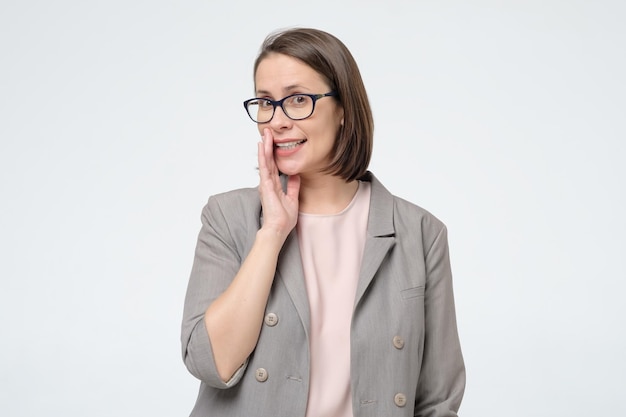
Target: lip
{"points": [[286, 147]]}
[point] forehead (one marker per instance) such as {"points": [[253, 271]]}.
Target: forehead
{"points": [[278, 73]]}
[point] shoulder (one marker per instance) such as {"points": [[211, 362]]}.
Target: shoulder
{"points": [[241, 197], [407, 217], [409, 210], [236, 207]]}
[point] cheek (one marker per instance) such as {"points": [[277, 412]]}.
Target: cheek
{"points": [[324, 137], [327, 130]]}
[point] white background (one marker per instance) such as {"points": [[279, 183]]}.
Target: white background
{"points": [[119, 118]]}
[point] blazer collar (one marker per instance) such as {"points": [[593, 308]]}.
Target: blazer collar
{"points": [[380, 234], [380, 223]]}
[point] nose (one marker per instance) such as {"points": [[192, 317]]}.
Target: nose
{"points": [[280, 120]]}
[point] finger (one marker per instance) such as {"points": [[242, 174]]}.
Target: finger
{"points": [[261, 159], [268, 172], [268, 142]]}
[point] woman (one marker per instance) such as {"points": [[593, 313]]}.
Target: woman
{"points": [[319, 293]]}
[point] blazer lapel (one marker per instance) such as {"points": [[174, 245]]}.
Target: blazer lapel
{"points": [[289, 270], [380, 235]]}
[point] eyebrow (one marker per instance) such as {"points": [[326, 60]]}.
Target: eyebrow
{"points": [[287, 89]]}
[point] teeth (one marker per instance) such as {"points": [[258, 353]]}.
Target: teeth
{"points": [[289, 145]]}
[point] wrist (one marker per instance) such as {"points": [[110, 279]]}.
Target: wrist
{"points": [[272, 236]]}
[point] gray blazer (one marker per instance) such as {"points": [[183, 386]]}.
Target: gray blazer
{"points": [[405, 353]]}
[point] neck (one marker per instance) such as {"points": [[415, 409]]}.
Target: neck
{"points": [[326, 194]]}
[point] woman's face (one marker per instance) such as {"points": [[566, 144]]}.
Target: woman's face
{"points": [[300, 146]]}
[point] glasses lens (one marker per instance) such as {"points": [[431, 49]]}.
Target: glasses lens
{"points": [[298, 106], [260, 110]]}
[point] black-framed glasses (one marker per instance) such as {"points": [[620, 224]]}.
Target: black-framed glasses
{"points": [[295, 106]]}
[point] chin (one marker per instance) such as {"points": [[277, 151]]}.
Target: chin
{"points": [[288, 169]]}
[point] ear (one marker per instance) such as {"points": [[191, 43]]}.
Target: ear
{"points": [[341, 115]]}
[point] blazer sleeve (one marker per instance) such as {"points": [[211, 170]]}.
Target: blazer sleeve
{"points": [[215, 264], [441, 383]]}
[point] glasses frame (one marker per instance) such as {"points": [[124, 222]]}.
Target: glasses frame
{"points": [[277, 103]]}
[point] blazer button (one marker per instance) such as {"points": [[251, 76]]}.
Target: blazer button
{"points": [[260, 375], [271, 319], [398, 342], [399, 399]]}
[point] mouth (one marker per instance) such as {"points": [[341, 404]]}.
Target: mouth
{"points": [[289, 145]]}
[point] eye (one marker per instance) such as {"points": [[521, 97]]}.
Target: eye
{"points": [[299, 100], [264, 104]]}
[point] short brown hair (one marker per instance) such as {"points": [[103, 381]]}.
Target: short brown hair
{"points": [[331, 58]]}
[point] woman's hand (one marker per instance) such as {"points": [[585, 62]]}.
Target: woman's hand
{"points": [[280, 209], [233, 320]]}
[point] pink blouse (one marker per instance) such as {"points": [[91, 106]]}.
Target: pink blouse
{"points": [[331, 247]]}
